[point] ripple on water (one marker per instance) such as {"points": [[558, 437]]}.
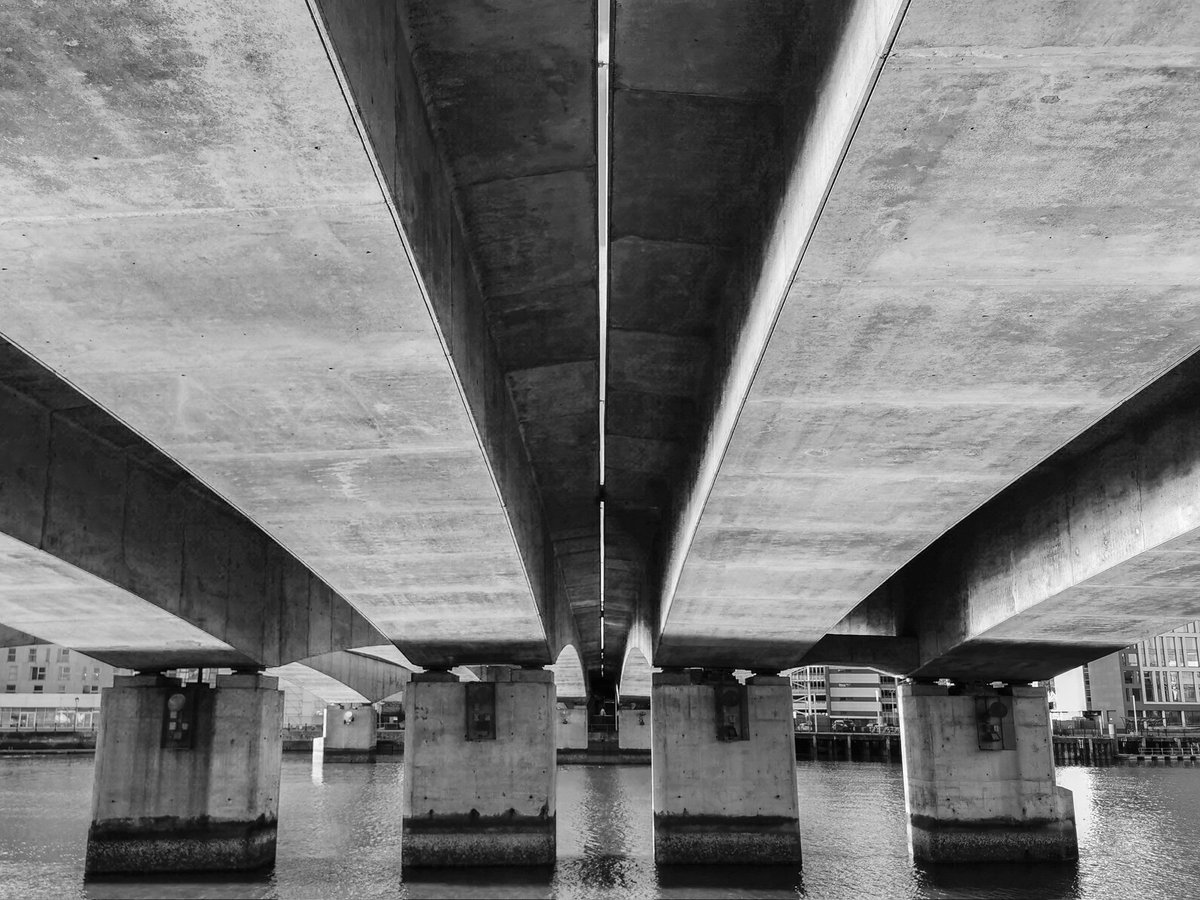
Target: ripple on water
{"points": [[340, 837]]}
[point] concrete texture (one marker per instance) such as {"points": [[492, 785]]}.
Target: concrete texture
{"points": [[478, 803], [194, 237], [94, 516], [970, 805], [1005, 256], [1093, 549], [571, 725], [858, 286], [210, 808], [634, 725], [723, 802], [482, 121], [353, 740], [348, 676]]}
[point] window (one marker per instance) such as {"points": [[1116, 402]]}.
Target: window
{"points": [[1191, 657], [12, 654], [1148, 681], [12, 673], [37, 673], [63, 654], [1172, 656], [1152, 655], [96, 672], [64, 673], [10, 689], [1173, 686], [33, 654], [1189, 688], [37, 688]]}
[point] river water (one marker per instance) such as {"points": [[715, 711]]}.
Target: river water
{"points": [[339, 836]]}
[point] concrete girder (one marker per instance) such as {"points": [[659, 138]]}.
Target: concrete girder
{"points": [[114, 550], [346, 677], [745, 109], [1008, 252], [193, 235], [1094, 549], [570, 678], [481, 120]]}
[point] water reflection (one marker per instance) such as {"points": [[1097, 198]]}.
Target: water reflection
{"points": [[339, 836]]}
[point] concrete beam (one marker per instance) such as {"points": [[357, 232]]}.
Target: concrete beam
{"points": [[346, 677], [96, 525], [849, 52], [1094, 549], [478, 223], [194, 236], [1003, 258]]}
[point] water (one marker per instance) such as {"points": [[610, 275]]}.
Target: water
{"points": [[339, 836]]}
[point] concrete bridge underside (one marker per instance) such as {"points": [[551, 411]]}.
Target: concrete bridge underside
{"points": [[870, 265]]}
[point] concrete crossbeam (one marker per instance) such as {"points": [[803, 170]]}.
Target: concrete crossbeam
{"points": [[93, 515], [1094, 549]]}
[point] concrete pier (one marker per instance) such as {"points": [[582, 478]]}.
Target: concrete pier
{"points": [[979, 776], [724, 771], [634, 723], [571, 732], [187, 776], [479, 770], [350, 733]]}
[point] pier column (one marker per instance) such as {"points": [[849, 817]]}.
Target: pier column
{"points": [[187, 776], [634, 723], [350, 733], [571, 729], [979, 776], [724, 771], [479, 769]]}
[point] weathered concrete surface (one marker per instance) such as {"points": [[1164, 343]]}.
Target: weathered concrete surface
{"points": [[723, 802], [1095, 548], [349, 733], [1008, 252], [110, 547], [728, 123], [348, 676], [482, 120], [571, 724], [570, 679], [634, 725], [971, 805], [210, 808], [193, 236], [478, 803]]}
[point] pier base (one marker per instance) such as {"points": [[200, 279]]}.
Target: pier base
{"points": [[979, 776], [724, 771], [349, 733], [479, 770], [187, 777]]}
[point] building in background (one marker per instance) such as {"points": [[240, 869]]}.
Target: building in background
{"points": [[1154, 683], [51, 688], [47, 688], [858, 697]]}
